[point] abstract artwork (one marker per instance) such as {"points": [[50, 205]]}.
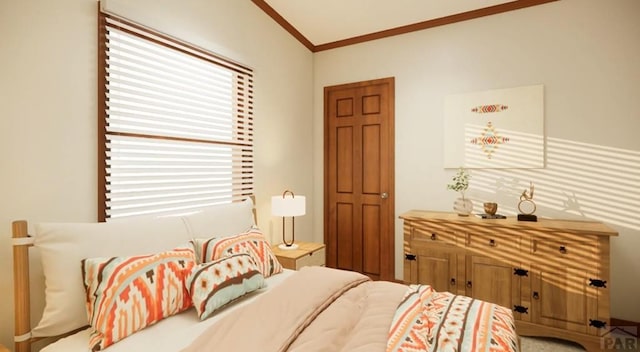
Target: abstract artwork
{"points": [[500, 128]]}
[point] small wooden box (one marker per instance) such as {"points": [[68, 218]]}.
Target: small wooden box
{"points": [[307, 254]]}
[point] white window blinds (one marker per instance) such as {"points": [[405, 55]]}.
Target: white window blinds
{"points": [[176, 125]]}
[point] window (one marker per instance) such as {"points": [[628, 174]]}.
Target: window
{"points": [[175, 124]]}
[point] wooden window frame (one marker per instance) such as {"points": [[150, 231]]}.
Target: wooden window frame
{"points": [[241, 123]]}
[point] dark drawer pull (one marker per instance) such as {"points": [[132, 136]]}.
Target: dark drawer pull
{"points": [[520, 272], [492, 242], [469, 284], [536, 295], [433, 236], [453, 281], [563, 249], [598, 283], [521, 309]]}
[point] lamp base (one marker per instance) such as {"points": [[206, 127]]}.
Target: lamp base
{"points": [[288, 248]]}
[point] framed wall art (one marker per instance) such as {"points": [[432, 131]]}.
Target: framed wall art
{"points": [[500, 128]]}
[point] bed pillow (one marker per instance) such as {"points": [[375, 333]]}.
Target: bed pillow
{"points": [[221, 220], [251, 242], [62, 246], [214, 284], [126, 294], [203, 248]]}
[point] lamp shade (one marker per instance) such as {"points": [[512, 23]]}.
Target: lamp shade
{"points": [[288, 205]]}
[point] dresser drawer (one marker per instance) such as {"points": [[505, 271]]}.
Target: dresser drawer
{"points": [[313, 258], [564, 253], [430, 234], [487, 243]]}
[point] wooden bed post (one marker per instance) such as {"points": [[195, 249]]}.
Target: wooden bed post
{"points": [[255, 213], [21, 287]]}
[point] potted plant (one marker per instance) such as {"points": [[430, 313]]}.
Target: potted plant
{"points": [[463, 206]]}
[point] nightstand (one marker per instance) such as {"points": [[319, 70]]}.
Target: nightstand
{"points": [[307, 254], [3, 349]]}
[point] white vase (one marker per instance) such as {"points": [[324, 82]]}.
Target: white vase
{"points": [[463, 206]]}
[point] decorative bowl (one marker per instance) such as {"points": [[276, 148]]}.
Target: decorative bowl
{"points": [[490, 208]]}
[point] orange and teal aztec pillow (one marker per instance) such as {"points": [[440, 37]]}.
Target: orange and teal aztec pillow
{"points": [[251, 242], [216, 283], [127, 294]]}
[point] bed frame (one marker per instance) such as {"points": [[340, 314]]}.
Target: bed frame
{"points": [[21, 288], [21, 243]]}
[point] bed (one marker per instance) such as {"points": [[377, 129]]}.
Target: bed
{"points": [[209, 281]]}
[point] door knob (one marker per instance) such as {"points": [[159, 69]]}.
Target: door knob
{"points": [[384, 195]]}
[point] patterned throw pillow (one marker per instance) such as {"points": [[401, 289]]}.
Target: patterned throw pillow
{"points": [[127, 294], [251, 242], [216, 283], [202, 248]]}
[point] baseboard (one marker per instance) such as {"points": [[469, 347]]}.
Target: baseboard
{"points": [[623, 323]]}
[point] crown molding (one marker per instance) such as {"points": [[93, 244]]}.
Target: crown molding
{"points": [[284, 23], [464, 16]]}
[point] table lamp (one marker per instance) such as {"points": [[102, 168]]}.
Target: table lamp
{"points": [[288, 204]]}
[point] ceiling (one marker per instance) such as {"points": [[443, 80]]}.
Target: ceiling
{"points": [[327, 24]]}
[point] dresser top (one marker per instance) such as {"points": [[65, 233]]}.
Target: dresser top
{"points": [[583, 226]]}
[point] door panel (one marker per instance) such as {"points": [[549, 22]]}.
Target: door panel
{"points": [[344, 155], [371, 104], [562, 301], [344, 107], [371, 159], [371, 238], [493, 281], [344, 223], [561, 294], [359, 177], [437, 267]]}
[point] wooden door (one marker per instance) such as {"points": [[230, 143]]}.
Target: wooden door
{"points": [[359, 177], [436, 266], [494, 281], [561, 294], [561, 300]]}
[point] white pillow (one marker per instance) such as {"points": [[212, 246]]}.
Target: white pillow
{"points": [[62, 246], [221, 220]]}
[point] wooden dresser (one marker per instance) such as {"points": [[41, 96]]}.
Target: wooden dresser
{"points": [[553, 274]]}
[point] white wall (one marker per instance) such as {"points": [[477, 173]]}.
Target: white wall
{"points": [[48, 55], [585, 53]]}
